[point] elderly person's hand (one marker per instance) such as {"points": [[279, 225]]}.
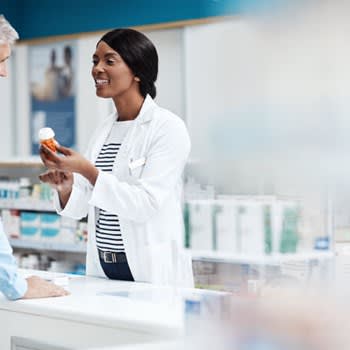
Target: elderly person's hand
{"points": [[39, 288]]}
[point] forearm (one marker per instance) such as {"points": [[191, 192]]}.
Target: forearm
{"points": [[90, 172], [137, 202], [76, 204], [63, 196], [12, 285]]}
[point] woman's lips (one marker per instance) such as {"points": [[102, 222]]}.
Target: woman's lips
{"points": [[101, 82]]}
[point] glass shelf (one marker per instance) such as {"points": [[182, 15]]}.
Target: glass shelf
{"points": [[44, 245], [259, 259], [27, 204]]}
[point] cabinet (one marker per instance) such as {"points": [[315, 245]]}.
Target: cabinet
{"points": [[40, 238], [240, 241]]}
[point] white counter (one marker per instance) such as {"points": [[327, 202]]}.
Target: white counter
{"points": [[99, 312]]}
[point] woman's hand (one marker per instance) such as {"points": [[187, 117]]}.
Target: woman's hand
{"points": [[62, 181], [71, 162]]}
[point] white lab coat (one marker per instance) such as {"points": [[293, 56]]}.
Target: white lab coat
{"points": [[144, 190]]}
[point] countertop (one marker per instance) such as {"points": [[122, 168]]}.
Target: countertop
{"points": [[135, 306]]}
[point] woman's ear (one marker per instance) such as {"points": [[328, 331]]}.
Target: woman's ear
{"points": [[137, 79]]}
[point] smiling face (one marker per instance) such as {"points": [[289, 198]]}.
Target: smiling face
{"points": [[113, 78], [5, 52]]}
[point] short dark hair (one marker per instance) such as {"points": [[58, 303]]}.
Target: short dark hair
{"points": [[139, 53]]}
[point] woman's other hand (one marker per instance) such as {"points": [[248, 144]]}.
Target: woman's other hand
{"points": [[62, 181]]}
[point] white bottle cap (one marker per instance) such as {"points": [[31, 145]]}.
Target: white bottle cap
{"points": [[46, 133]]}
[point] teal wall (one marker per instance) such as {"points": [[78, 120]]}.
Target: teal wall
{"points": [[9, 8], [43, 18]]}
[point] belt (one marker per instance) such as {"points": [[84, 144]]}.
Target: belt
{"points": [[112, 257]]}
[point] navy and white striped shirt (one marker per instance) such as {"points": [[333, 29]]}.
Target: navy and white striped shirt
{"points": [[108, 231]]}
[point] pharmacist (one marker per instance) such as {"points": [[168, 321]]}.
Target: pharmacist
{"points": [[12, 285], [129, 184]]}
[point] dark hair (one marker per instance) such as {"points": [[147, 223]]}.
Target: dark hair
{"points": [[139, 54]]}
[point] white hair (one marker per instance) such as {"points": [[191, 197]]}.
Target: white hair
{"points": [[8, 34]]}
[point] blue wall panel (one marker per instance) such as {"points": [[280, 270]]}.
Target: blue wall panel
{"points": [[9, 8], [42, 18]]}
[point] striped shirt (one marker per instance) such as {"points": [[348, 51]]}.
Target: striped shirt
{"points": [[108, 231]]}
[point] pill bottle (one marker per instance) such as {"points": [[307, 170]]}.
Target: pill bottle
{"points": [[47, 138]]}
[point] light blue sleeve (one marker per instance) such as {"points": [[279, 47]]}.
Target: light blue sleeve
{"points": [[12, 285]]}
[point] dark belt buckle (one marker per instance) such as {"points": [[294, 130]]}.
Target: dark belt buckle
{"points": [[109, 257]]}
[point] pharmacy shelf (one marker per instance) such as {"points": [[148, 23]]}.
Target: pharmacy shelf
{"points": [[27, 204], [273, 259], [16, 162], [42, 245], [21, 167]]}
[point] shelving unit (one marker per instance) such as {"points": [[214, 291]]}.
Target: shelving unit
{"points": [[219, 261], [274, 259], [53, 246], [60, 249], [18, 167], [27, 204]]}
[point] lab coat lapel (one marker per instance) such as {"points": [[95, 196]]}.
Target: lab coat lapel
{"points": [[101, 138], [144, 116], [132, 138]]}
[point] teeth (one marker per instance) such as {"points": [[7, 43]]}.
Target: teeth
{"points": [[101, 81]]}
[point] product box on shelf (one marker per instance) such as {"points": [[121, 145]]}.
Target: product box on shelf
{"points": [[30, 225], [11, 222], [50, 226], [201, 224], [250, 227], [68, 230], [82, 232], [244, 225], [226, 226]]}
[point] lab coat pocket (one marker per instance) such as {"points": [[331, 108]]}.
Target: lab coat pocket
{"points": [[136, 167]]}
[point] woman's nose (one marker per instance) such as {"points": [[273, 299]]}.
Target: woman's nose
{"points": [[98, 67]]}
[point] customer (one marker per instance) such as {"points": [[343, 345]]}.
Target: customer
{"points": [[11, 284], [129, 184]]}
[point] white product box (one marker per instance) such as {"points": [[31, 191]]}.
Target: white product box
{"points": [[67, 235], [201, 224], [250, 227], [50, 226], [30, 225], [226, 226], [11, 222]]}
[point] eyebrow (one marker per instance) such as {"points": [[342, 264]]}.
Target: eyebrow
{"points": [[4, 59], [108, 54]]}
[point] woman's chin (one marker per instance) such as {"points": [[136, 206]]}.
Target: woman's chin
{"points": [[101, 93]]}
